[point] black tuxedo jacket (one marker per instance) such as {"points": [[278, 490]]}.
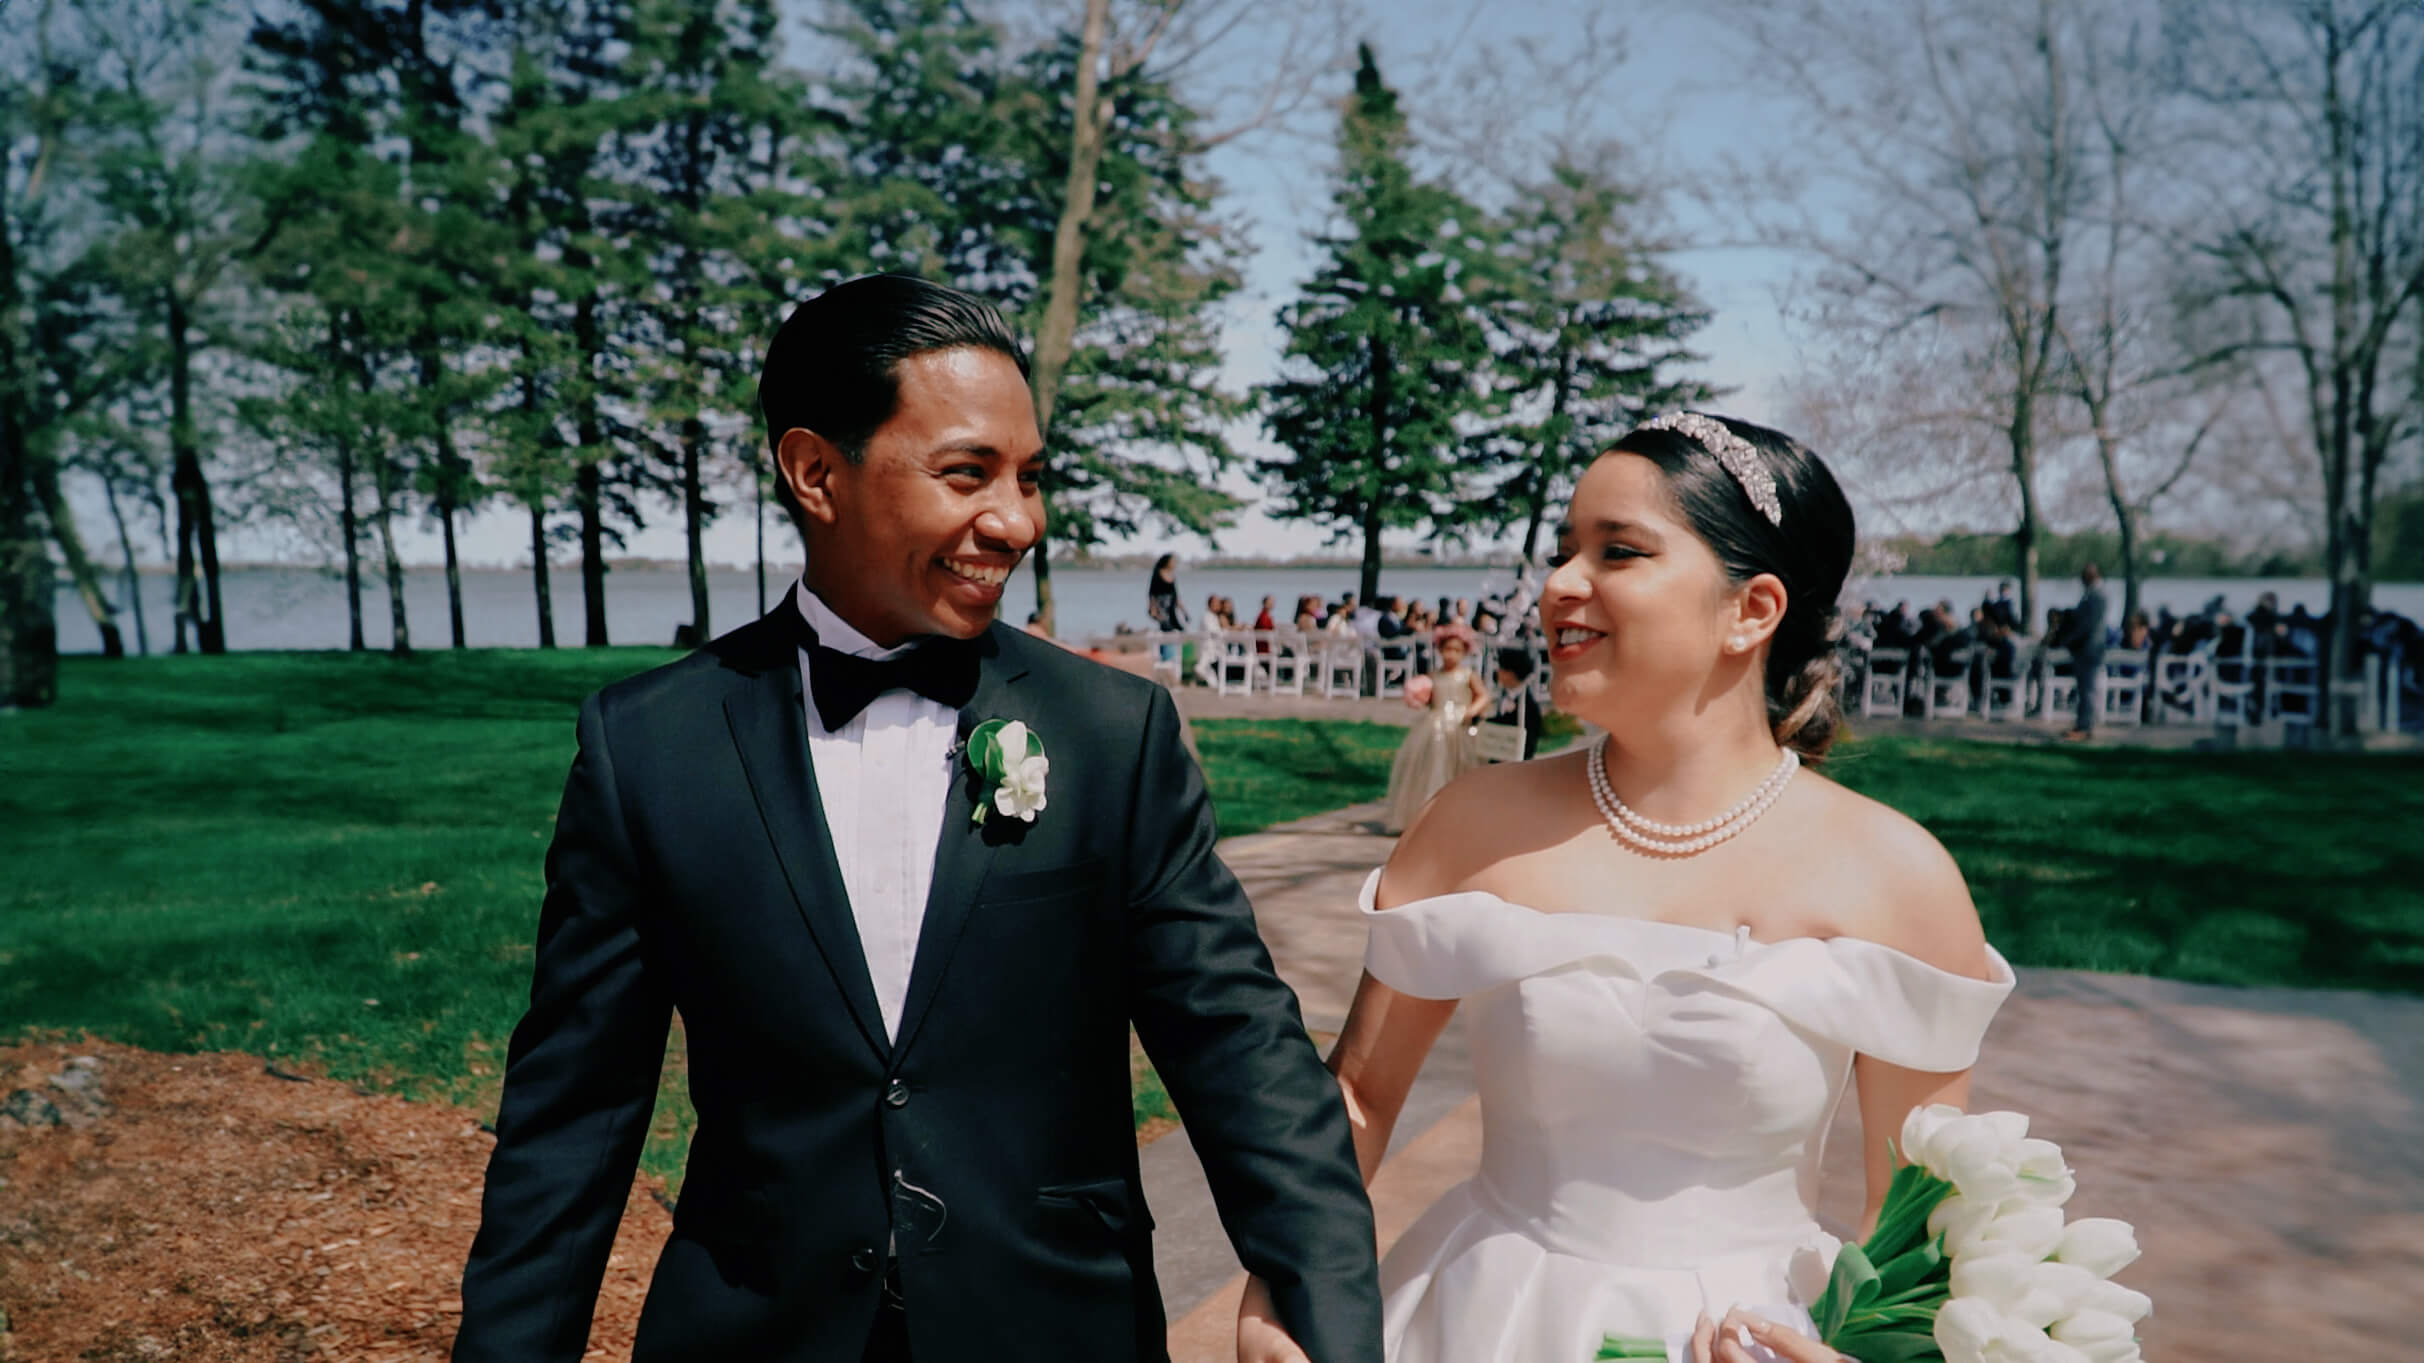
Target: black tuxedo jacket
{"points": [[991, 1148]]}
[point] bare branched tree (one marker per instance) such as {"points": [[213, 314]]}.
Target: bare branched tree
{"points": [[1191, 45], [1943, 177], [2310, 175]]}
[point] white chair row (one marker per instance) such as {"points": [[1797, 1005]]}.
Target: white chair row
{"points": [[2196, 688]]}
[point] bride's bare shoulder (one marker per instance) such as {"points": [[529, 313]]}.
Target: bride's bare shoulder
{"points": [[1481, 819], [1903, 889]]}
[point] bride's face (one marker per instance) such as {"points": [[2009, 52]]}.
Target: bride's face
{"points": [[1638, 608]]}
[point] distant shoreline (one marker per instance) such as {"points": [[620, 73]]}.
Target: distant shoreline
{"points": [[375, 577]]}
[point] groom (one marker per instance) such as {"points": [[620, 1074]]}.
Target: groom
{"points": [[908, 1028]]}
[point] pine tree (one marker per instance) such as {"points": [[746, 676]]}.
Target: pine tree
{"points": [[1586, 329], [722, 115], [1387, 353], [1137, 422]]}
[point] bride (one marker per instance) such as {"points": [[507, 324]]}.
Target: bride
{"points": [[1679, 946]]}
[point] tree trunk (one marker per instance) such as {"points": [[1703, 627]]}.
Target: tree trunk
{"points": [[1375, 474], [80, 568], [349, 525], [126, 549], [694, 439], [1552, 448], [401, 637], [1058, 337], [589, 483], [449, 481], [197, 534], [29, 634], [2024, 536], [538, 572]]}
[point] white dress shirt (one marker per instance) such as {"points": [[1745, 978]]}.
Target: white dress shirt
{"points": [[882, 779]]}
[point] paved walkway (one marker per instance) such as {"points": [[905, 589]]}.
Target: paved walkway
{"points": [[2267, 1143]]}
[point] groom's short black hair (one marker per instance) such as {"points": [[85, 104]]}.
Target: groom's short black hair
{"points": [[833, 366]]}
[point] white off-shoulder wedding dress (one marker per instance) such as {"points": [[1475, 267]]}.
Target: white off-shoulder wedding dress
{"points": [[1654, 1100]]}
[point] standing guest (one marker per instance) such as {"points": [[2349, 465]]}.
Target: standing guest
{"points": [[909, 1030], [1162, 606], [1436, 749], [2083, 635], [1516, 704]]}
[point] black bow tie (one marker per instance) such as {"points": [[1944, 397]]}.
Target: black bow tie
{"points": [[941, 670]]}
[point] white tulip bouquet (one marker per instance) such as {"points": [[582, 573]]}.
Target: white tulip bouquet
{"points": [[1972, 1261]]}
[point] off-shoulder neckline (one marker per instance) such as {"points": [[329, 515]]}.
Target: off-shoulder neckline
{"points": [[1740, 935]]}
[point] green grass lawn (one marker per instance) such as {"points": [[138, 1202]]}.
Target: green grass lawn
{"points": [[334, 861]]}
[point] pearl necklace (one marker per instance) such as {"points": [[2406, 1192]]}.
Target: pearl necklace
{"points": [[1683, 840]]}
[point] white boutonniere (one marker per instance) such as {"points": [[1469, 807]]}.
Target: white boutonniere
{"points": [[1009, 759]]}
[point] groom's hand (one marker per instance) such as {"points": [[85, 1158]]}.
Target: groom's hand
{"points": [[1260, 1336]]}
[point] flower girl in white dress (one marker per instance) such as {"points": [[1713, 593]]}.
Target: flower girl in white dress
{"points": [[1676, 953]]}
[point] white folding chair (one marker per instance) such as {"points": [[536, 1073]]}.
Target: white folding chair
{"points": [[2184, 682], [1945, 688], [1394, 664], [1342, 668], [1238, 666], [2124, 697], [2292, 690], [1288, 662], [2058, 696], [1888, 682]]}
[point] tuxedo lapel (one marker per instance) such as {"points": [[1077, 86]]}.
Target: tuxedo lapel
{"points": [[770, 728], [964, 853]]}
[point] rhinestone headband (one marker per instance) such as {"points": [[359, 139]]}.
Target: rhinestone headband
{"points": [[1731, 450]]}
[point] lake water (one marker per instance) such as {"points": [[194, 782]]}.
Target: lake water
{"points": [[304, 608]]}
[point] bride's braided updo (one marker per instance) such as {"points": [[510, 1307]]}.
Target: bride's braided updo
{"points": [[1807, 546]]}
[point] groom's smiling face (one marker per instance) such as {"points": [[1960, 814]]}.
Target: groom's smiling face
{"points": [[919, 535]]}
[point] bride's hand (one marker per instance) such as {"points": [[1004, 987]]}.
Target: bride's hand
{"points": [[1260, 1336], [1717, 1342]]}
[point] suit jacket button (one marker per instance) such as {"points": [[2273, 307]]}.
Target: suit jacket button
{"points": [[897, 1095], [863, 1259]]}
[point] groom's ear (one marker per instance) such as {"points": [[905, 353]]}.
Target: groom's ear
{"points": [[807, 462]]}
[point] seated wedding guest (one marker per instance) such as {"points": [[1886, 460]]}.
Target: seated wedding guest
{"points": [[1897, 628], [1367, 617], [1341, 622], [1462, 615], [1308, 614], [2003, 607], [1515, 703], [2136, 633], [1262, 619]]}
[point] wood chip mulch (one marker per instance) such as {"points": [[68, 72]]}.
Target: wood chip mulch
{"points": [[203, 1209]]}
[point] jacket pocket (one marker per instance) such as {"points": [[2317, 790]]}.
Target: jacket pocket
{"points": [[1108, 1201], [1051, 882]]}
